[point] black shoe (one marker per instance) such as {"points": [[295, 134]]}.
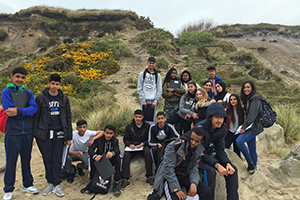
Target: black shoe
{"points": [[116, 188], [125, 184], [70, 178], [80, 171], [251, 168], [150, 180], [153, 195]]}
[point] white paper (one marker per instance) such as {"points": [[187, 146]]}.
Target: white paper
{"points": [[64, 155], [196, 197], [239, 128], [135, 149]]}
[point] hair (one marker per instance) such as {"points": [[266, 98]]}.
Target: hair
{"points": [[168, 76], [161, 113], [211, 68], [138, 112], [20, 70], [110, 127], [199, 131], [186, 72], [204, 96], [81, 122], [245, 97], [188, 95], [55, 78], [239, 110], [207, 82]]}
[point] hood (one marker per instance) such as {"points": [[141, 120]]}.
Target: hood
{"points": [[205, 104], [216, 109], [255, 96]]}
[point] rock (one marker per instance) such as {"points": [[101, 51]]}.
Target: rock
{"points": [[2, 157], [261, 48], [287, 171]]}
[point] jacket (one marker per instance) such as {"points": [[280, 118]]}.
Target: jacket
{"points": [[253, 114], [101, 144], [170, 96], [23, 122], [201, 110], [214, 143], [175, 153], [41, 118], [154, 138], [135, 135], [185, 106]]}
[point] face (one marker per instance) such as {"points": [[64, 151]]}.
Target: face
{"points": [[18, 79], [233, 101], [185, 77], [195, 140], [161, 119], [208, 86], [151, 65], [81, 129], [247, 89], [219, 88], [54, 86], [211, 74], [216, 121], [199, 95], [108, 134], [191, 88], [173, 74], [138, 119]]}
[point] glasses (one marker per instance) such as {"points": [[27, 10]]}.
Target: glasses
{"points": [[22, 77]]}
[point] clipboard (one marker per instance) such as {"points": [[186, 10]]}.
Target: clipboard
{"points": [[175, 84], [104, 167], [148, 112]]}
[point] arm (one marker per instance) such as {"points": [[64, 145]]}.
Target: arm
{"points": [[140, 90], [75, 153], [92, 148], [68, 120], [98, 135], [145, 133], [158, 89], [37, 115], [182, 107], [151, 136], [252, 112], [165, 93], [116, 150], [127, 138], [180, 91]]}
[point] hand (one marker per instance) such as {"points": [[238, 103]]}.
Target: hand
{"points": [[193, 190], [230, 169], [141, 145], [98, 158], [144, 104], [132, 146], [242, 131], [153, 105], [195, 116], [90, 142], [159, 145], [170, 89], [172, 65], [188, 115], [222, 170], [109, 155], [220, 101], [181, 195], [192, 125], [11, 112], [79, 154], [179, 95], [68, 142]]}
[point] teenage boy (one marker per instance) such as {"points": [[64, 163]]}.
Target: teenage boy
{"points": [[211, 70], [136, 138], [19, 105], [52, 130], [215, 157], [81, 141], [149, 87], [159, 134], [107, 145], [179, 168]]}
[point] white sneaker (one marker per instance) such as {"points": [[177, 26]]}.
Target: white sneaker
{"points": [[58, 191], [31, 190], [48, 189], [7, 196]]}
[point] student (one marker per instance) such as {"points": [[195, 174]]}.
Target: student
{"points": [[179, 168], [186, 77], [252, 109], [184, 115], [158, 134], [19, 105], [172, 95], [215, 157], [211, 71], [149, 87], [52, 130], [107, 145], [82, 139], [235, 118], [223, 96], [136, 137], [207, 86]]}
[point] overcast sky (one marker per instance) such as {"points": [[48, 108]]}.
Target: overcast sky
{"points": [[173, 14]]}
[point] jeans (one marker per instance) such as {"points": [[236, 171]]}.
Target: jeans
{"points": [[250, 151]]}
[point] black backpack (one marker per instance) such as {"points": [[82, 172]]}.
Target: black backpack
{"points": [[268, 114]]}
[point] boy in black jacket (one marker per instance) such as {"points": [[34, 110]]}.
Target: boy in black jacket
{"points": [[108, 145]]}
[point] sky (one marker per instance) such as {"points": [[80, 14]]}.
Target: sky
{"points": [[172, 15]]}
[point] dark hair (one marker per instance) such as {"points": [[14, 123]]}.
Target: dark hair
{"points": [[199, 131], [81, 122], [55, 78], [211, 68], [239, 110], [20, 70], [161, 113], [245, 97], [138, 112], [110, 127], [207, 82], [186, 72], [168, 76]]}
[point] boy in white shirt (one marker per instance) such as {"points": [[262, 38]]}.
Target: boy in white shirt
{"points": [[82, 139]]}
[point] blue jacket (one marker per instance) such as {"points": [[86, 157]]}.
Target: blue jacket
{"points": [[214, 143], [23, 122], [217, 79]]}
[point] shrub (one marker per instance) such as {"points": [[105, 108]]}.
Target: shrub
{"points": [[162, 63], [195, 38], [3, 35]]}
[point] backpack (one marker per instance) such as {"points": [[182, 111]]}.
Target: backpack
{"points": [[3, 119], [268, 114], [156, 129]]}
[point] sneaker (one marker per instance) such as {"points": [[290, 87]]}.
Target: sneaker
{"points": [[150, 180], [153, 195], [31, 190], [80, 171], [48, 189], [251, 168], [125, 184], [116, 188], [58, 191], [7, 196], [70, 178]]}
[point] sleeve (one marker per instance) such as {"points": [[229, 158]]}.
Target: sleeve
{"points": [[194, 175], [92, 133], [151, 136], [158, 88], [182, 106], [253, 111], [220, 149], [140, 90], [180, 90], [165, 93], [69, 119], [92, 148], [116, 150], [173, 131], [126, 138], [146, 131], [37, 115], [6, 100]]}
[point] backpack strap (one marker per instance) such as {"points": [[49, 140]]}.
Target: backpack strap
{"points": [[167, 128], [155, 73]]}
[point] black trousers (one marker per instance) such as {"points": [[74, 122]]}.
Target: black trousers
{"points": [[231, 181], [185, 124], [231, 139], [156, 156], [128, 155]]}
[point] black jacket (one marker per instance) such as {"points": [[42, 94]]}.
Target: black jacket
{"points": [[100, 144], [134, 135], [41, 118]]}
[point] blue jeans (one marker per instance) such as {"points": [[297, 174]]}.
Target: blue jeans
{"points": [[250, 151]]}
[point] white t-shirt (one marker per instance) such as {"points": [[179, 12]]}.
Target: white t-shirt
{"points": [[79, 143]]}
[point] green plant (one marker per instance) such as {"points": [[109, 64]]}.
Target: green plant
{"points": [[195, 38], [162, 63]]}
